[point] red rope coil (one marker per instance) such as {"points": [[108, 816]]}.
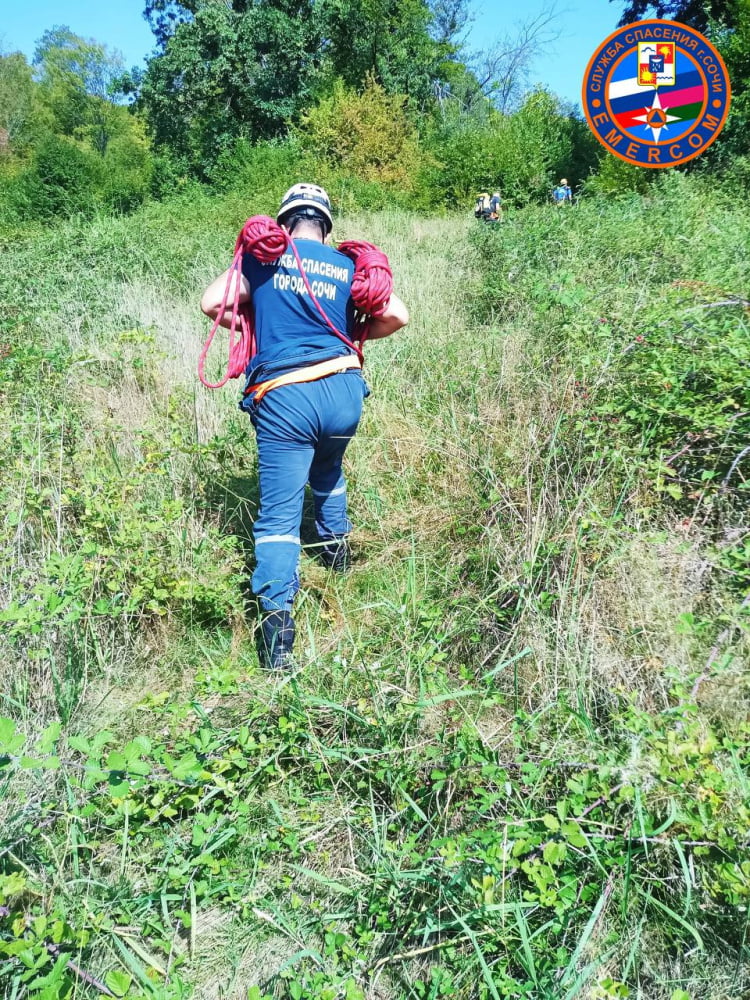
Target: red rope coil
{"points": [[372, 285]]}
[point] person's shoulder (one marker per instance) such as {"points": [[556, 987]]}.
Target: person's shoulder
{"points": [[337, 257]]}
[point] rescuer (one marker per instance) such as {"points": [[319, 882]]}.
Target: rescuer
{"points": [[304, 395], [562, 194]]}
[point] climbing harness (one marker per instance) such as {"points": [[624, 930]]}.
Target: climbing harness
{"points": [[372, 285], [309, 374]]}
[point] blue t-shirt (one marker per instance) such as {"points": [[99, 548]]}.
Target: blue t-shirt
{"points": [[290, 332]]}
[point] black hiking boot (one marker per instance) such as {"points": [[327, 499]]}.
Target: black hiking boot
{"points": [[275, 641], [336, 554]]}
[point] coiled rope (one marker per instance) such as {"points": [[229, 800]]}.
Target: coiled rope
{"points": [[371, 290]]}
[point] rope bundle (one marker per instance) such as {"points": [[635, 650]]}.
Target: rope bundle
{"points": [[371, 290]]}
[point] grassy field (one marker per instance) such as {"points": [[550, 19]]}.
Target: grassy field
{"points": [[516, 761]]}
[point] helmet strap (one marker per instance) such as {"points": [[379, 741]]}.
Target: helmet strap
{"points": [[305, 216]]}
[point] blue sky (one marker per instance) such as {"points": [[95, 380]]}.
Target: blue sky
{"points": [[119, 24], [583, 25]]}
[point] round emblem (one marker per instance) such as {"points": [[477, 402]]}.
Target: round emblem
{"points": [[656, 93]]}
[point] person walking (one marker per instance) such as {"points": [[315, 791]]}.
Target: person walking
{"points": [[562, 194], [304, 395], [496, 211]]}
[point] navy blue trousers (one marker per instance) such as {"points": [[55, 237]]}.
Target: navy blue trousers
{"points": [[302, 432]]}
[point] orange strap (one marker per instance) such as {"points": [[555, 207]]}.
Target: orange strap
{"points": [[311, 374]]}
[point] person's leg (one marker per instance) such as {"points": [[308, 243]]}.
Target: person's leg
{"points": [[340, 406], [286, 437]]}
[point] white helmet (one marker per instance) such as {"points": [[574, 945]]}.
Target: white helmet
{"points": [[302, 196]]}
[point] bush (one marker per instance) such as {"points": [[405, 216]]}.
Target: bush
{"points": [[615, 177], [263, 169], [661, 392], [65, 178], [169, 175], [127, 167], [368, 134], [62, 180], [523, 154]]}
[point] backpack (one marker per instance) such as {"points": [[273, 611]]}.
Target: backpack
{"points": [[482, 205]]}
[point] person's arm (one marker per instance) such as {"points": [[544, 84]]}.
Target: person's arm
{"points": [[395, 316], [213, 296]]}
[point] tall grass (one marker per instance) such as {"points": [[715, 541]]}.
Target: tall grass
{"points": [[495, 775]]}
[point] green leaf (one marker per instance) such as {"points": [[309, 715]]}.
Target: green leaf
{"points": [[116, 761], [188, 766], [136, 748], [573, 834], [551, 822], [125, 943], [140, 767], [555, 852], [11, 884], [39, 763], [9, 741], [49, 737], [118, 982]]}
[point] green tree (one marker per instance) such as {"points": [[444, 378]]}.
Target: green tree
{"points": [[731, 152], [19, 106], [224, 71], [79, 82], [390, 39], [699, 14], [522, 153], [62, 179], [243, 69]]}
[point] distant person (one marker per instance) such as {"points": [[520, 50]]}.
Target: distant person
{"points": [[304, 397], [482, 209], [487, 207], [562, 194]]}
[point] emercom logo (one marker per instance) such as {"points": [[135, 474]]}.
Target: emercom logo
{"points": [[656, 93]]}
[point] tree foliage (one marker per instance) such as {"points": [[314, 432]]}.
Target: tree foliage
{"points": [[226, 70], [699, 14], [449, 19], [233, 70], [66, 145], [79, 81], [731, 152], [522, 154], [367, 134], [19, 107], [390, 39]]}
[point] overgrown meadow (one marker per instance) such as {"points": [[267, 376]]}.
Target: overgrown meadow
{"points": [[515, 763]]}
